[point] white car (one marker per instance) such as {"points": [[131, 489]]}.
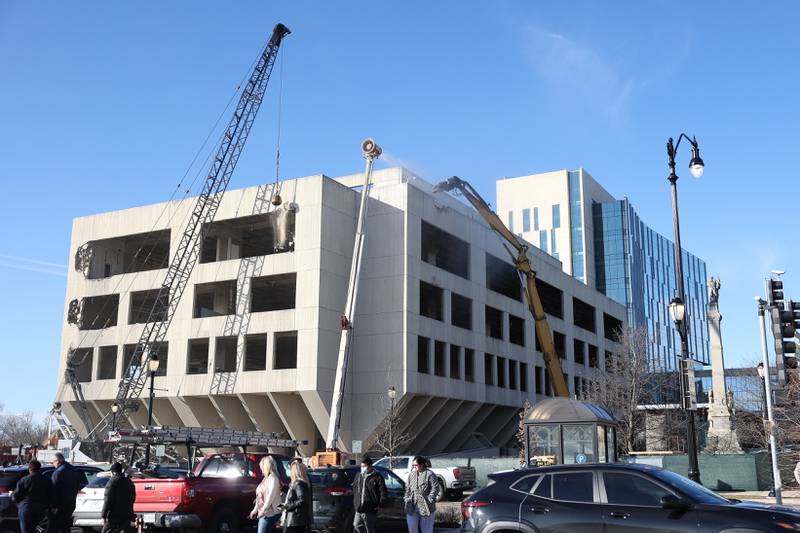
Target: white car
{"points": [[89, 504], [453, 479]]}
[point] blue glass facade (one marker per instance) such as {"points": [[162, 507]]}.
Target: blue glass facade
{"points": [[635, 266]]}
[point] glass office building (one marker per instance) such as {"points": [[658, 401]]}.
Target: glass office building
{"points": [[636, 267]]}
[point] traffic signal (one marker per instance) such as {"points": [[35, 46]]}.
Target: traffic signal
{"points": [[785, 323], [776, 293]]}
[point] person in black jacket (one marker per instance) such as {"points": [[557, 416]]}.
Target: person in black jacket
{"points": [[120, 494], [32, 496], [67, 482], [369, 493], [298, 504]]}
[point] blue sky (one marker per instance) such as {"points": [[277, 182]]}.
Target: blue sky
{"points": [[104, 104]]}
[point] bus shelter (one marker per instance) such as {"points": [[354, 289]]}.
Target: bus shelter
{"points": [[566, 431]]}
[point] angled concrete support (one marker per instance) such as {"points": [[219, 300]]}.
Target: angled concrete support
{"points": [[196, 411], [454, 426], [460, 440], [232, 412], [414, 407], [293, 413], [421, 421], [430, 431], [494, 424], [507, 436]]}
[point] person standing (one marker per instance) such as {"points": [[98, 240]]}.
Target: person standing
{"points": [[422, 492], [67, 482], [32, 496], [268, 497], [369, 493], [119, 497], [298, 503]]}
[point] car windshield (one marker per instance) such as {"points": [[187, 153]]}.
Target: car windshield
{"points": [[99, 482], [695, 491], [330, 478]]}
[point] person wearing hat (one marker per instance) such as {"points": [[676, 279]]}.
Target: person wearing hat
{"points": [[33, 495], [120, 496]]}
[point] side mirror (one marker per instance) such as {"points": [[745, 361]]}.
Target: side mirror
{"points": [[673, 502]]}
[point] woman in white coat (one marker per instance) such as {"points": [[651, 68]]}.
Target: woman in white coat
{"points": [[268, 496]]}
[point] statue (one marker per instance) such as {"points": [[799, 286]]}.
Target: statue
{"points": [[713, 290]]}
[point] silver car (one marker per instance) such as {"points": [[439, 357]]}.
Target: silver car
{"points": [[89, 504]]}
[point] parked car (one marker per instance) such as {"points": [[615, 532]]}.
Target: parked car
{"points": [[332, 489], [218, 495], [10, 475], [89, 504], [454, 479], [613, 498]]}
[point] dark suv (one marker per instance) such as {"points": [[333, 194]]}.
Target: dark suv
{"points": [[618, 498]]}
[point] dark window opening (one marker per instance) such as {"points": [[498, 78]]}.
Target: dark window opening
{"points": [[107, 362], [577, 347], [431, 301], [612, 327], [163, 355], [460, 311], [122, 255], [560, 342], [552, 298], [81, 364], [455, 361], [423, 356], [225, 354], [501, 371], [576, 387], [146, 306], [255, 352], [494, 323], [469, 365], [593, 356], [523, 377], [99, 312], [516, 329], [438, 358], [249, 236], [583, 315], [285, 350], [537, 376], [214, 299], [502, 278], [548, 387], [197, 358], [488, 368], [273, 293], [444, 250], [512, 374], [130, 365]]}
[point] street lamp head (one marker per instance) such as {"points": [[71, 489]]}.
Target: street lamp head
{"points": [[696, 165], [392, 392], [677, 310], [114, 407], [153, 363], [760, 369], [777, 272]]}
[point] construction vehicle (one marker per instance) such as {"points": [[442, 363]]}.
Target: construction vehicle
{"points": [[332, 455], [519, 256], [187, 253]]}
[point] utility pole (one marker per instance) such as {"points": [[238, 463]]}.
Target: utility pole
{"points": [[773, 449]]}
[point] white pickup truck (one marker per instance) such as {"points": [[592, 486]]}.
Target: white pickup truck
{"points": [[454, 479]]}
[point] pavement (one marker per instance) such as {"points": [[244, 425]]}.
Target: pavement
{"points": [[791, 498]]}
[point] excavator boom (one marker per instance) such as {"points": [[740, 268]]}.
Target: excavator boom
{"points": [[523, 265]]}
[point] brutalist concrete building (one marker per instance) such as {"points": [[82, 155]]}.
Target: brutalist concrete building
{"points": [[254, 341]]}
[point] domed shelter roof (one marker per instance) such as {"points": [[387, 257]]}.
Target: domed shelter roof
{"points": [[567, 410]]}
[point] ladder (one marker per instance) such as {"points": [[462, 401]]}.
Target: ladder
{"points": [[200, 437]]}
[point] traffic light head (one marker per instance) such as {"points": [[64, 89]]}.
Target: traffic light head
{"points": [[776, 293]]}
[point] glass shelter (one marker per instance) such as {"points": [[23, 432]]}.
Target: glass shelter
{"points": [[566, 431]]}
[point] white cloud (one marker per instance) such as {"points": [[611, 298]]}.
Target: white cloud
{"points": [[33, 265]]}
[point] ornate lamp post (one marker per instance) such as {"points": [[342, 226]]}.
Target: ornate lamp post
{"points": [[392, 392], [152, 366], [677, 307]]}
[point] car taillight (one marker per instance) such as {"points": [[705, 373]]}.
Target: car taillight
{"points": [[468, 506], [81, 493], [456, 472], [337, 491], [187, 495]]}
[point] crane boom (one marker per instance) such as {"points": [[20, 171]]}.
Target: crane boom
{"points": [[523, 266], [205, 209]]}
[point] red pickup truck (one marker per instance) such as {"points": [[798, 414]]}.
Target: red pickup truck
{"points": [[217, 496]]}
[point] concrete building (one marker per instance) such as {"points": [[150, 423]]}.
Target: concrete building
{"points": [[602, 242], [254, 341]]}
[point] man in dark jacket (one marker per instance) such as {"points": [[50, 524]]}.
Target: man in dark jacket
{"points": [[67, 482], [369, 493], [118, 502], [32, 496]]}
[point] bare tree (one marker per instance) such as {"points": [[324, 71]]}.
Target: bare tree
{"points": [[389, 437], [521, 433], [16, 429]]}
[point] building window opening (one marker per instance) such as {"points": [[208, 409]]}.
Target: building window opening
{"points": [[197, 358], [214, 299], [502, 278], [494, 323], [552, 298], [444, 250], [535, 219], [225, 354], [107, 362], [431, 301], [577, 346], [255, 352], [455, 361], [81, 364], [130, 364], [122, 255], [99, 312], [526, 220], [146, 306], [512, 374], [469, 365], [556, 216], [523, 377], [273, 293], [583, 315], [423, 356], [560, 342], [516, 329], [593, 362], [612, 327], [543, 240], [501, 372], [537, 377], [285, 350], [250, 236], [460, 311], [438, 358], [511, 221], [488, 368]]}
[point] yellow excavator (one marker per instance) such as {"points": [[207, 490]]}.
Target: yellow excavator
{"points": [[519, 256]]}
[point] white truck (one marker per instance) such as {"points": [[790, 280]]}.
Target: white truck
{"points": [[453, 479]]}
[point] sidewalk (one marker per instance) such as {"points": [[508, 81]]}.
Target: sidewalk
{"points": [[791, 498]]}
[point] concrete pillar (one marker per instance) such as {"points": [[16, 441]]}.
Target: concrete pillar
{"points": [[295, 417], [455, 425], [427, 434], [231, 411], [458, 442]]}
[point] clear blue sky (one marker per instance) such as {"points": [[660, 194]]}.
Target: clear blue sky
{"points": [[103, 105]]}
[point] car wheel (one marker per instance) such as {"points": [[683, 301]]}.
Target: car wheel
{"points": [[223, 521], [442, 488]]}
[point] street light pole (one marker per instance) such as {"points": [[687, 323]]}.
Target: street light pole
{"points": [[392, 393], [773, 448], [696, 167], [152, 364]]}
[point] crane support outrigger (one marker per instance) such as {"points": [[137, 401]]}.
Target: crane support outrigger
{"points": [[523, 266]]}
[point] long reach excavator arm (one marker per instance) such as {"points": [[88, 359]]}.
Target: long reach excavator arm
{"points": [[523, 265]]}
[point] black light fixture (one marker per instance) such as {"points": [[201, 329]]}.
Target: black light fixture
{"points": [[696, 165]]}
